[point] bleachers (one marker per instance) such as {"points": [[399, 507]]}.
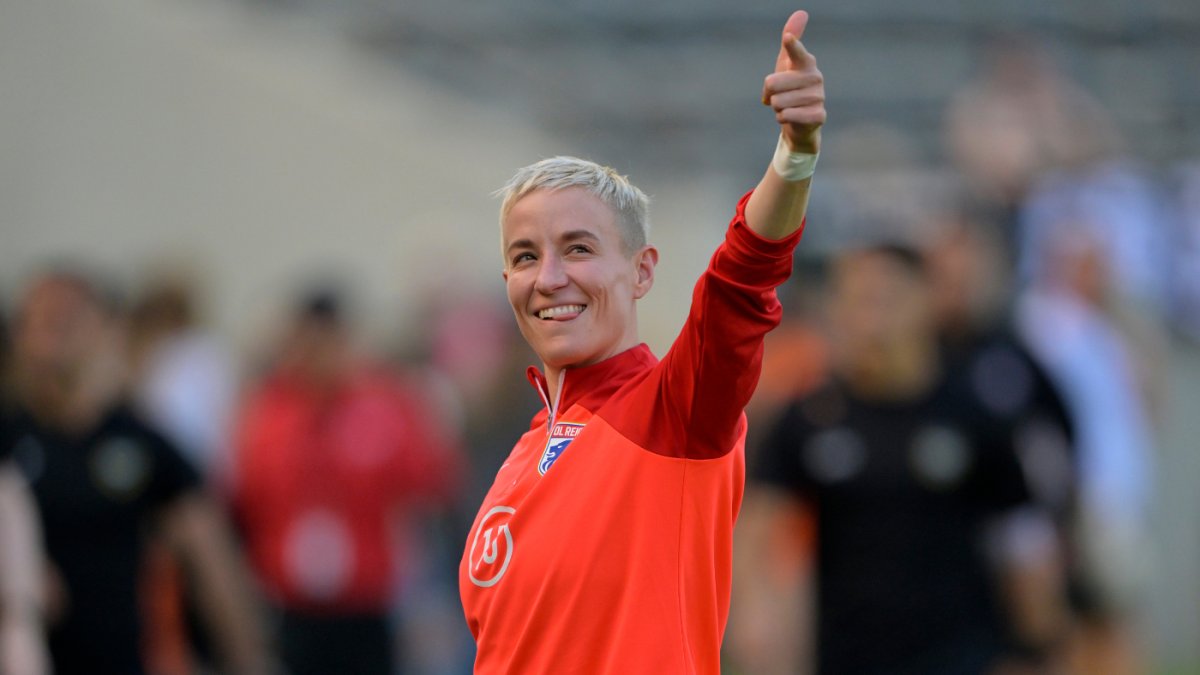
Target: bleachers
{"points": [[684, 71]]}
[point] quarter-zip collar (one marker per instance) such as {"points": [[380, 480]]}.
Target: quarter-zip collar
{"points": [[588, 386]]}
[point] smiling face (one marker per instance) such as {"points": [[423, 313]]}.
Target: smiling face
{"points": [[572, 283]]}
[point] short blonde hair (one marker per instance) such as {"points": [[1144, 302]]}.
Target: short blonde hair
{"points": [[629, 204]]}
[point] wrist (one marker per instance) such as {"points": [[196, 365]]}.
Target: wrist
{"points": [[793, 165], [809, 145]]}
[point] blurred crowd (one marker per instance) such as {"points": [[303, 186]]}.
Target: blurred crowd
{"points": [[951, 455]]}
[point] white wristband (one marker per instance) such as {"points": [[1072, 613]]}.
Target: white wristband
{"points": [[793, 166]]}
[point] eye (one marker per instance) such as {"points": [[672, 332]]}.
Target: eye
{"points": [[578, 248], [524, 256]]}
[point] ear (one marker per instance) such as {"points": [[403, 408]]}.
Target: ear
{"points": [[504, 273], [644, 262]]}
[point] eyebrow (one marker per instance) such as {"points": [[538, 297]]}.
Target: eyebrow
{"points": [[569, 236]]}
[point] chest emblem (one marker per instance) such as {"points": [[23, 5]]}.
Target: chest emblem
{"points": [[120, 468], [491, 548], [560, 437]]}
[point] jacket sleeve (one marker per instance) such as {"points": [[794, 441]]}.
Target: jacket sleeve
{"points": [[696, 394]]}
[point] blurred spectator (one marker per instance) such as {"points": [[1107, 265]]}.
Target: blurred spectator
{"points": [[1019, 118], [332, 454], [183, 380], [1125, 219], [1064, 320], [477, 354], [105, 482], [22, 640], [796, 354], [1185, 305], [474, 344], [988, 361], [923, 520]]}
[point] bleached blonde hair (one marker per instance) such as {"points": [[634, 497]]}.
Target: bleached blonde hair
{"points": [[630, 205]]}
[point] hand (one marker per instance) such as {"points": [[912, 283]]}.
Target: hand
{"points": [[796, 90]]}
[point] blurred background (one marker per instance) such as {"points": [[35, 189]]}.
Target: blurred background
{"points": [[271, 184]]}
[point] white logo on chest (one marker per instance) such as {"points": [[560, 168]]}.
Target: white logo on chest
{"points": [[487, 564]]}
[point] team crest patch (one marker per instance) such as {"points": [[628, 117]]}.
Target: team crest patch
{"points": [[561, 436]]}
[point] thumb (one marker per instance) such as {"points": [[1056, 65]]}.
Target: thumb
{"points": [[797, 55], [789, 56], [795, 25]]}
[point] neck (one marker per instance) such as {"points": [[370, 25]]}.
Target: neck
{"points": [[69, 402], [554, 374], [903, 371], [554, 382]]}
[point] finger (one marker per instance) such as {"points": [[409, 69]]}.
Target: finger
{"points": [[788, 80], [808, 116], [797, 99]]}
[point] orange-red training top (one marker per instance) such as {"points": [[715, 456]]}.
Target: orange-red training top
{"points": [[604, 545]]}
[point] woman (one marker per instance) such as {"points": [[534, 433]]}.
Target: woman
{"points": [[604, 545]]}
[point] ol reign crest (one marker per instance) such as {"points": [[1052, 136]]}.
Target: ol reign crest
{"points": [[560, 437]]}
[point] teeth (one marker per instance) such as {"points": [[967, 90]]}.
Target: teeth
{"points": [[559, 311]]}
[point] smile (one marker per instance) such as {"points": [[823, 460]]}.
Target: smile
{"points": [[561, 310]]}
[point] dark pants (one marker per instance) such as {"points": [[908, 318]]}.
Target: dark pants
{"points": [[358, 644]]}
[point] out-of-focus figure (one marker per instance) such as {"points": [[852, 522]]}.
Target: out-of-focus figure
{"points": [[183, 382], [333, 453], [22, 640], [1185, 294], [1125, 218], [796, 354], [1019, 118], [183, 379], [929, 554], [105, 483], [1064, 319], [989, 361]]}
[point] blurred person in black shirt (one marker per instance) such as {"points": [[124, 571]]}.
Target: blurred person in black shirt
{"points": [[104, 482], [930, 555], [987, 361]]}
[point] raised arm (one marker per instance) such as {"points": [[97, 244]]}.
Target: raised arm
{"points": [[796, 91]]}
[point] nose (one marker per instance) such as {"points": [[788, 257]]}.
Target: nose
{"points": [[551, 275]]}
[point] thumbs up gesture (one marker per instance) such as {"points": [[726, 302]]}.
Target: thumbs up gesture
{"points": [[796, 90]]}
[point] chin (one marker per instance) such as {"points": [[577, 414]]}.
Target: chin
{"points": [[561, 359], [565, 356]]}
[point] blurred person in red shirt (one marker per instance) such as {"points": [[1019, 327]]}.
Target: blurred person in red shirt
{"points": [[332, 454]]}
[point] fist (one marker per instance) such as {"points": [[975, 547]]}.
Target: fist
{"points": [[796, 90]]}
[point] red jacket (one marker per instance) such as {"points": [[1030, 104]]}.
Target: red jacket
{"points": [[605, 543], [322, 482]]}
